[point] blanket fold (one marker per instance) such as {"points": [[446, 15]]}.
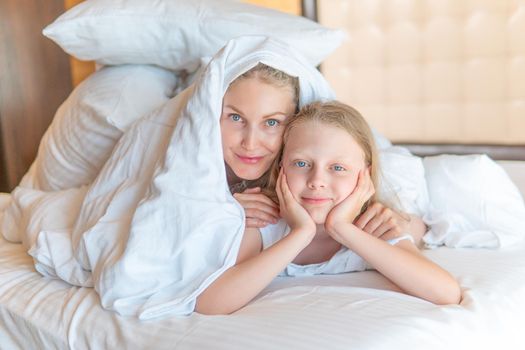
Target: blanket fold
{"points": [[158, 224]]}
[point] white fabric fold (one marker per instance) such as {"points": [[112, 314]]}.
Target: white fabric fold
{"points": [[159, 224]]}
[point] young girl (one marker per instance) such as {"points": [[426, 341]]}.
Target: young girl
{"points": [[327, 177]]}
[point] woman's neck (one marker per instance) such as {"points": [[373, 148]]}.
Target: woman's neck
{"points": [[231, 177]]}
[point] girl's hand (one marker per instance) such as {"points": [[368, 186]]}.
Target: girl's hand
{"points": [[383, 222], [296, 216], [346, 211], [260, 210]]}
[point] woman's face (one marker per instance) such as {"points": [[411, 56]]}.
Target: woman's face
{"points": [[322, 164], [252, 125]]}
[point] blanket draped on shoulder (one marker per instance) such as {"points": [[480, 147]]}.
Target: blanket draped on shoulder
{"points": [[158, 225]]}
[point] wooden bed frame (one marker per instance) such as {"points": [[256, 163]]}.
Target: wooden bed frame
{"points": [[36, 78]]}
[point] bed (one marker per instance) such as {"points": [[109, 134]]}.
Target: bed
{"points": [[356, 310], [360, 310]]}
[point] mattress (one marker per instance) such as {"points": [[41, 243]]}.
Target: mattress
{"points": [[357, 310], [360, 310]]}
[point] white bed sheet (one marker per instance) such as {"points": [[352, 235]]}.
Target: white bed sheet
{"points": [[358, 310]]}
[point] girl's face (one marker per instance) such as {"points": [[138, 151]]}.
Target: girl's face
{"points": [[252, 125], [321, 163]]}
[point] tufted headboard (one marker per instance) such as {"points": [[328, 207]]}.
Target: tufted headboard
{"points": [[438, 75]]}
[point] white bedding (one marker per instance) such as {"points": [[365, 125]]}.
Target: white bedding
{"points": [[356, 310], [349, 311]]}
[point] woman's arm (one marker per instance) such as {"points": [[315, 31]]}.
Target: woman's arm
{"points": [[402, 263], [253, 271]]}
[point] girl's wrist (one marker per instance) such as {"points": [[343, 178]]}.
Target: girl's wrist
{"points": [[343, 232], [304, 235]]}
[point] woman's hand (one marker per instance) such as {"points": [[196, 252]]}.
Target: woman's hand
{"points": [[296, 216], [383, 222], [346, 211], [260, 210]]}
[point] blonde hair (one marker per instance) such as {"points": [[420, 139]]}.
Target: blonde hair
{"points": [[339, 115], [279, 79], [274, 77]]}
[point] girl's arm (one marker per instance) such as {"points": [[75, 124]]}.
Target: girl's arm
{"points": [[403, 264], [253, 271]]}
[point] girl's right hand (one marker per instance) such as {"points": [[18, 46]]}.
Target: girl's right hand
{"points": [[260, 210], [295, 215]]}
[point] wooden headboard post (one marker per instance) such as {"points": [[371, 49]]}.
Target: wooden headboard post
{"points": [[35, 79]]}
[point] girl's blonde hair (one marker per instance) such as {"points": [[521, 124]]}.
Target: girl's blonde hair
{"points": [[339, 115], [279, 79]]}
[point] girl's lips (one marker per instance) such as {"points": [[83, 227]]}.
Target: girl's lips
{"points": [[315, 200], [249, 160]]}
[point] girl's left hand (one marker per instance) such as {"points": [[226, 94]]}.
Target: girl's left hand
{"points": [[346, 211]]}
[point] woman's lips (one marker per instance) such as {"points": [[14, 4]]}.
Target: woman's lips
{"points": [[308, 200], [249, 160]]}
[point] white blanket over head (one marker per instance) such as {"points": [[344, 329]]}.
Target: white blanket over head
{"points": [[159, 224]]}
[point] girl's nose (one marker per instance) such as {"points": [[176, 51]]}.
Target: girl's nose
{"points": [[316, 179]]}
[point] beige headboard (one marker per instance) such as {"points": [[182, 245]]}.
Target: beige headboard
{"points": [[435, 71]]}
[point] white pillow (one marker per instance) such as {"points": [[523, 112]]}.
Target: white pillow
{"points": [[175, 34], [402, 182], [91, 120], [473, 203]]}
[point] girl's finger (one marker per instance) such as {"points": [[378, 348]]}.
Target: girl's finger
{"points": [[287, 194], [278, 188]]}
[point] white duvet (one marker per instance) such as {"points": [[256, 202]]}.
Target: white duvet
{"points": [[159, 224]]}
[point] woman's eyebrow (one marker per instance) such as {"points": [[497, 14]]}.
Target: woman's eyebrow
{"points": [[234, 108], [275, 114]]}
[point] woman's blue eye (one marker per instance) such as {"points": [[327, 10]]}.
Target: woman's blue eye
{"points": [[235, 117], [339, 168], [300, 164], [272, 122]]}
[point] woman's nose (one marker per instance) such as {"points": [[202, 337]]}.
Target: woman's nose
{"points": [[249, 139]]}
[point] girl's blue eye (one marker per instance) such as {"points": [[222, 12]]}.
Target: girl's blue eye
{"points": [[300, 164], [339, 168], [272, 122], [235, 117]]}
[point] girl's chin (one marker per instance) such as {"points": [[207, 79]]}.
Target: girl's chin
{"points": [[319, 217]]}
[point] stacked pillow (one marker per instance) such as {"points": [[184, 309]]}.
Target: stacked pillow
{"points": [[90, 122], [473, 203], [175, 34]]}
